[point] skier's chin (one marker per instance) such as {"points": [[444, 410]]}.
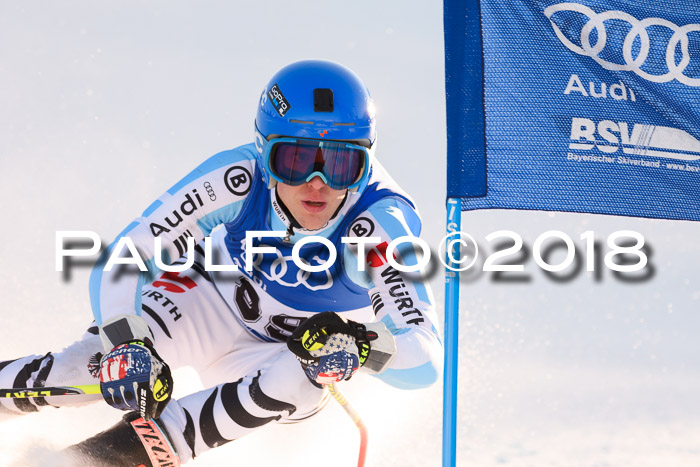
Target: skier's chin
{"points": [[313, 220]]}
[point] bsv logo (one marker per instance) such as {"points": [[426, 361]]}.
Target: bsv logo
{"points": [[633, 138], [648, 47]]}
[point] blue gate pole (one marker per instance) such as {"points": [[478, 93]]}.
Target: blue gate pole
{"points": [[449, 404]]}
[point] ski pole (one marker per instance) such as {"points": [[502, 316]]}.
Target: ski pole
{"points": [[22, 393], [333, 389]]}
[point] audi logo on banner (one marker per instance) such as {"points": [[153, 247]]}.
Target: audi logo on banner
{"points": [[638, 38]]}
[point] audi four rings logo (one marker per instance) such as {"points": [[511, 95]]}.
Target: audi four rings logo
{"points": [[643, 46], [210, 191]]}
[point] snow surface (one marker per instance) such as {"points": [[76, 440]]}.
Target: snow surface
{"points": [[103, 105]]}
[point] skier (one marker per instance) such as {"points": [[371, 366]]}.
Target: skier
{"points": [[266, 339]]}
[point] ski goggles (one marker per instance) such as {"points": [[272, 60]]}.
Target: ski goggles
{"points": [[295, 161]]}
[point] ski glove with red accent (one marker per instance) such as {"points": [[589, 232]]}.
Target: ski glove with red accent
{"points": [[332, 349], [134, 377]]}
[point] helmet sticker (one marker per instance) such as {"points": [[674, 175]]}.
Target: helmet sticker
{"points": [[278, 101]]}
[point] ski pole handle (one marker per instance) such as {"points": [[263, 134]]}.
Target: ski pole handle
{"points": [[23, 393]]}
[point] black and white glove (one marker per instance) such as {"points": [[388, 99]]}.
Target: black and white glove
{"points": [[332, 349]]}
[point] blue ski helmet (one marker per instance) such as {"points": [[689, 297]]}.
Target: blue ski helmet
{"points": [[317, 100]]}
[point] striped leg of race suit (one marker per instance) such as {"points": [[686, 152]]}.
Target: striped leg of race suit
{"points": [[77, 364], [278, 392]]}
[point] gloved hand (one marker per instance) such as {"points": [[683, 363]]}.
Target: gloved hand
{"points": [[330, 348], [134, 377]]}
